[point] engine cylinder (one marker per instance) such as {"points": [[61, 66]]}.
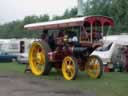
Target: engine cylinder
{"points": [[78, 51]]}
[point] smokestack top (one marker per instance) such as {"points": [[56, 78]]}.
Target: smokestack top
{"points": [[80, 8]]}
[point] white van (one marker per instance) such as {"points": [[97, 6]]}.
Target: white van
{"points": [[111, 52], [24, 49]]}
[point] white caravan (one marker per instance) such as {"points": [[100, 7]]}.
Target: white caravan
{"points": [[111, 52], [15, 46]]}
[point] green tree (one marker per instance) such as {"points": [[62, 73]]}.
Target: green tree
{"points": [[43, 18], [119, 12], [30, 19]]}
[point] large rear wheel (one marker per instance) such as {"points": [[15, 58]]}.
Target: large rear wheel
{"points": [[69, 68], [94, 66], [38, 58]]}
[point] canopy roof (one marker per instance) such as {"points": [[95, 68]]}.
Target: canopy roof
{"points": [[78, 21]]}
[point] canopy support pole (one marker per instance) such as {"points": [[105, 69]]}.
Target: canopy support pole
{"points": [[91, 33]]}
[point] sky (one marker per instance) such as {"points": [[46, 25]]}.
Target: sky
{"points": [[17, 9]]}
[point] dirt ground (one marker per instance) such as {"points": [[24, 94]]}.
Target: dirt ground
{"points": [[23, 85]]}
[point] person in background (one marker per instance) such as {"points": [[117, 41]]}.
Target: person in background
{"points": [[44, 35], [97, 35], [51, 41], [126, 58], [84, 34], [60, 38], [72, 37]]}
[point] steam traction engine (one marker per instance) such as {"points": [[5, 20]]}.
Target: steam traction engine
{"points": [[70, 53]]}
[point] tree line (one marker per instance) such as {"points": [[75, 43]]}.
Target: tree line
{"points": [[117, 9]]}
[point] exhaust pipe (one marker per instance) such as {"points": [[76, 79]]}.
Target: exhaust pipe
{"points": [[80, 8]]}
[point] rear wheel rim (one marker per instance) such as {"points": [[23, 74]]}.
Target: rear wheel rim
{"points": [[68, 68], [37, 59]]}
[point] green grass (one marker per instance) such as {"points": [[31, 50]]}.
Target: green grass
{"points": [[110, 84], [11, 67]]}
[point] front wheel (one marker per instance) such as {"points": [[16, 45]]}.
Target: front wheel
{"points": [[69, 68], [94, 66]]}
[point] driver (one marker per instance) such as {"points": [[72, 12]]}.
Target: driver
{"points": [[60, 38], [44, 35], [72, 37]]}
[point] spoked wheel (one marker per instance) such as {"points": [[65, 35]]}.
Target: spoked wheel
{"points": [[94, 66], [38, 59], [69, 68]]}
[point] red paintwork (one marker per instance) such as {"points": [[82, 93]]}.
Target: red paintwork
{"points": [[102, 19], [58, 56]]}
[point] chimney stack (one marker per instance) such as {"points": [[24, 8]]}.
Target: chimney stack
{"points": [[80, 8]]}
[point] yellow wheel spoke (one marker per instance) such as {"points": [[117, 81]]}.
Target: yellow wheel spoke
{"points": [[72, 70], [39, 67], [69, 69], [93, 67]]}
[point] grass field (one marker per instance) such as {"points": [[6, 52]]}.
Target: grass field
{"points": [[111, 84]]}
